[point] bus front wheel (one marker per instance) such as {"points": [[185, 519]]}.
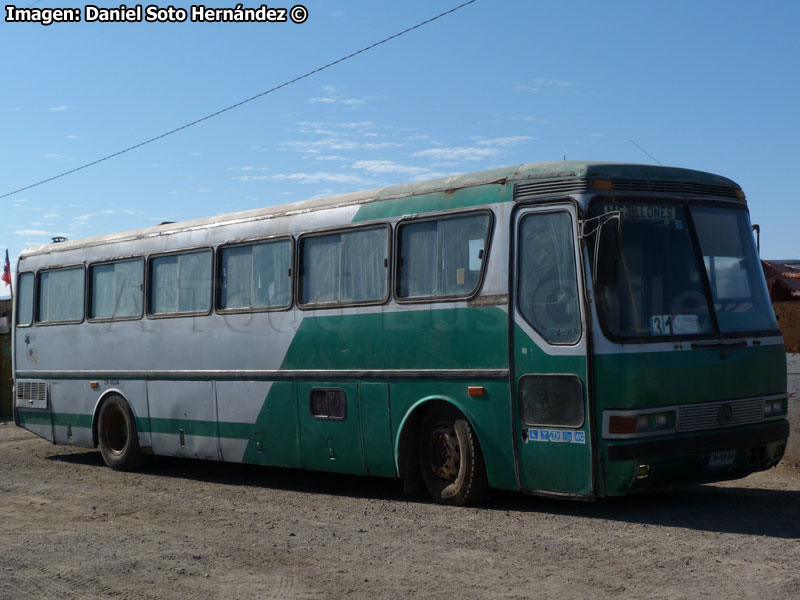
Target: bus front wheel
{"points": [[117, 436], [451, 460]]}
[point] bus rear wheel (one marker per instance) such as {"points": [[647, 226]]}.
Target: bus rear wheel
{"points": [[450, 456], [117, 435]]}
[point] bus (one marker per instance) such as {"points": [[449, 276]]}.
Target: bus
{"points": [[577, 329]]}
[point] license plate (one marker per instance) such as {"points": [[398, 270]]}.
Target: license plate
{"points": [[721, 459]]}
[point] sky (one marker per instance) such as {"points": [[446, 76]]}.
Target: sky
{"points": [[710, 85]]}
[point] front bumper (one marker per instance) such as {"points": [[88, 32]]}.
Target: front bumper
{"points": [[685, 460]]}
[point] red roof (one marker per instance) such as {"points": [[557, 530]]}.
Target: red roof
{"points": [[783, 279]]}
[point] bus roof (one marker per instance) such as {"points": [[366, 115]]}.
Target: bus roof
{"points": [[560, 170]]}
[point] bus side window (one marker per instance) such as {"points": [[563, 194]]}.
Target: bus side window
{"points": [[116, 289], [61, 295], [347, 267], [442, 258], [25, 299], [256, 276], [180, 283]]}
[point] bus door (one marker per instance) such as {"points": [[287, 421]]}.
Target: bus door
{"points": [[330, 427], [549, 391]]}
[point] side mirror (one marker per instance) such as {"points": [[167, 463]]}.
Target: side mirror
{"points": [[757, 230], [607, 251]]}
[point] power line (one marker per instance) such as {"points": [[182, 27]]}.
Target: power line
{"points": [[238, 104]]}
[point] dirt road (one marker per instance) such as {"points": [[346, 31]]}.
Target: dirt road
{"points": [[72, 528]]}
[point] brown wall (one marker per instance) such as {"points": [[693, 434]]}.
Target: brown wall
{"points": [[788, 314]]}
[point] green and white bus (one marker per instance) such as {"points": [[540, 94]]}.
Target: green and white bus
{"points": [[568, 328]]}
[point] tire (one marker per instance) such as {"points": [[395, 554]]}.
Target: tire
{"points": [[450, 458], [117, 435]]}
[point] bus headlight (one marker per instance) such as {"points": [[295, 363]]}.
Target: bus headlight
{"points": [[623, 424], [775, 408]]}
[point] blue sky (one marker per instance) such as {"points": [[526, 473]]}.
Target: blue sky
{"points": [[706, 85]]}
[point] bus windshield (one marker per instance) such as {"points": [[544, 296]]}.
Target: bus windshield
{"points": [[661, 288]]}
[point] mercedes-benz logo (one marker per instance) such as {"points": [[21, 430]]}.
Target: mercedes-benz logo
{"points": [[724, 415]]}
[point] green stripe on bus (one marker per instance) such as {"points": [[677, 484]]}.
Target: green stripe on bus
{"points": [[438, 201], [72, 419], [33, 417], [454, 338]]}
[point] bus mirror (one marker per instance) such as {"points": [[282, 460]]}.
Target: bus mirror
{"points": [[607, 251], [757, 230]]}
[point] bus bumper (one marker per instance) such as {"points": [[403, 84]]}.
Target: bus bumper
{"points": [[692, 458]]}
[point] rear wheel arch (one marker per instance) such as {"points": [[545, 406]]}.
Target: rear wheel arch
{"points": [[407, 452]]}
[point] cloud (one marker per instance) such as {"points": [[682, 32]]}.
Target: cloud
{"points": [[121, 211], [246, 168], [31, 232], [345, 101], [69, 136], [57, 108], [543, 84], [251, 177], [457, 153], [388, 166], [82, 220], [333, 96], [515, 140], [339, 144], [530, 119], [548, 82], [54, 156], [340, 178]]}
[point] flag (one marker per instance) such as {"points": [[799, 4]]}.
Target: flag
{"points": [[6, 270]]}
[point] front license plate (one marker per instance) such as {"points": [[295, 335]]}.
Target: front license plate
{"points": [[721, 459]]}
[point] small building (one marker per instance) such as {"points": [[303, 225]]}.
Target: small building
{"points": [[783, 282]]}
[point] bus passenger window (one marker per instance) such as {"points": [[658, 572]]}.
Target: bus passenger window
{"points": [[25, 299], [116, 290], [181, 283], [345, 268], [61, 295], [442, 257], [256, 276]]}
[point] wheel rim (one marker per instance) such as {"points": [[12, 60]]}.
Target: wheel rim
{"points": [[444, 452], [115, 430]]}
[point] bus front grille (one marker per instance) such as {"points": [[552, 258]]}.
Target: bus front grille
{"points": [[712, 415]]}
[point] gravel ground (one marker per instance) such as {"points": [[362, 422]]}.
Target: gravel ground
{"points": [[72, 528]]}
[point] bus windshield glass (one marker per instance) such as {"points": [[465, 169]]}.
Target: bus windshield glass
{"points": [[660, 290], [741, 300]]}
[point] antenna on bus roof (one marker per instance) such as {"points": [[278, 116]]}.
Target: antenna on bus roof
{"points": [[646, 152], [58, 239]]}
